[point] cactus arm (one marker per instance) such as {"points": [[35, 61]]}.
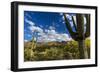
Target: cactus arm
{"points": [[74, 23], [68, 25], [87, 34]]}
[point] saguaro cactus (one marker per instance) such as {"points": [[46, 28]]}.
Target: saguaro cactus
{"points": [[80, 33]]}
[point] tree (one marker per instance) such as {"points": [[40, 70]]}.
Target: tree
{"points": [[79, 34]]}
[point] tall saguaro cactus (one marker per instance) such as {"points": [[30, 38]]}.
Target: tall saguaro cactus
{"points": [[80, 33]]}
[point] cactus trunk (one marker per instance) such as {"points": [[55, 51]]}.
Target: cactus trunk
{"points": [[82, 50], [81, 39]]}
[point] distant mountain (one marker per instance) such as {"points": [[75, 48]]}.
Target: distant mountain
{"points": [[46, 44]]}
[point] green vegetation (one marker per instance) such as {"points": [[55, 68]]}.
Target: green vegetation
{"points": [[53, 50]]}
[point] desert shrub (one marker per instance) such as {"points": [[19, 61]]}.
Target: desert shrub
{"points": [[67, 55], [28, 54], [53, 54], [71, 48], [39, 56]]}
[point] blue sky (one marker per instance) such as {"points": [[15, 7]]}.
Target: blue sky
{"points": [[45, 26]]}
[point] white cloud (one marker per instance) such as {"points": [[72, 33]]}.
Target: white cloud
{"points": [[41, 26], [29, 22], [51, 27], [36, 29], [47, 35], [65, 37], [41, 33], [69, 16], [46, 30], [28, 15], [52, 35], [25, 40], [51, 32], [63, 22]]}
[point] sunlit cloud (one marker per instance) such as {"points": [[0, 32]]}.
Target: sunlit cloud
{"points": [[29, 22], [52, 35], [47, 35], [51, 27], [35, 29], [25, 40]]}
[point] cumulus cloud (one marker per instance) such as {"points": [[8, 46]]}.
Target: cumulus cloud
{"points": [[45, 30], [32, 26], [47, 35], [25, 40], [29, 22], [52, 35], [51, 31], [51, 27], [36, 29]]}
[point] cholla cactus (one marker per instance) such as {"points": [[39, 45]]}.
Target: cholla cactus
{"points": [[33, 46], [79, 34]]}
